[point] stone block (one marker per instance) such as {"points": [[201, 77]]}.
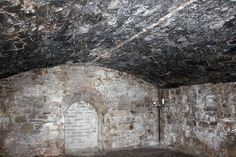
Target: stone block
{"points": [[20, 119], [27, 127], [191, 123], [213, 123]]}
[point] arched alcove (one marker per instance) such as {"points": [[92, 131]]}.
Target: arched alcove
{"points": [[81, 129], [96, 101]]}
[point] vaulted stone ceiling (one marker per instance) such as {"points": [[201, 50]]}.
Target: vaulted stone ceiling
{"points": [[167, 42]]}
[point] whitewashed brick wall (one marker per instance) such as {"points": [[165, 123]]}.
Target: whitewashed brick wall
{"points": [[81, 128]]}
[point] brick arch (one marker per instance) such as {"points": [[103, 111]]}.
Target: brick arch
{"points": [[92, 97], [96, 101], [81, 129]]}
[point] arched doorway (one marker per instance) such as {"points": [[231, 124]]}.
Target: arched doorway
{"points": [[81, 129]]}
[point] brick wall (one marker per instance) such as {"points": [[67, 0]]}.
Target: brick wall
{"points": [[196, 119], [201, 119], [81, 129], [36, 102]]}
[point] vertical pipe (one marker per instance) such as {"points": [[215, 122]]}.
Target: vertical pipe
{"points": [[159, 123], [159, 114]]}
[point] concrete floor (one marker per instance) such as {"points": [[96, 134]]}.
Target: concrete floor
{"points": [[147, 152]]}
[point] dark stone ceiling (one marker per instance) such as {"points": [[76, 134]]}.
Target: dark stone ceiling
{"points": [[166, 42]]}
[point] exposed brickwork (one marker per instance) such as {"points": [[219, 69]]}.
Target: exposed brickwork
{"points": [[198, 119], [37, 102], [201, 119], [81, 129]]}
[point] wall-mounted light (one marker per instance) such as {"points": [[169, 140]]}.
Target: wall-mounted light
{"points": [[162, 101], [155, 104]]}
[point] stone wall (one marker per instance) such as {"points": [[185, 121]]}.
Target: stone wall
{"points": [[34, 104], [201, 119]]}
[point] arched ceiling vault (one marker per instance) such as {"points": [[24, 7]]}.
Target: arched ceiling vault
{"points": [[166, 42]]}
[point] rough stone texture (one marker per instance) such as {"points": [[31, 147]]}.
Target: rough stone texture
{"points": [[201, 119], [168, 42], [34, 107], [34, 104]]}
